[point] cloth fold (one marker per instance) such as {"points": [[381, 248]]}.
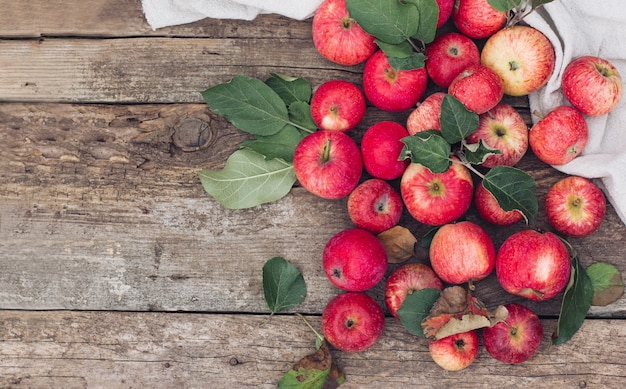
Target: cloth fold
{"points": [[164, 13], [577, 28]]}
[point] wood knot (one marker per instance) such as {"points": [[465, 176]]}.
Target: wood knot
{"points": [[192, 134]]}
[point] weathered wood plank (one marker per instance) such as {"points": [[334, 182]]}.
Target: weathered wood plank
{"points": [[102, 210], [124, 18], [156, 70], [145, 70], [129, 350]]}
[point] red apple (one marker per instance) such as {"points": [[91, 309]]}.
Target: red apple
{"points": [[353, 322], [502, 128], [436, 198], [560, 136], [328, 164], [426, 115], [478, 87], [337, 105], [575, 206], [593, 85], [455, 352], [381, 146], [448, 55], [533, 265], [354, 260], [490, 211], [405, 280], [375, 206], [338, 37], [522, 56], [445, 11], [477, 18], [390, 89], [462, 252], [516, 339]]}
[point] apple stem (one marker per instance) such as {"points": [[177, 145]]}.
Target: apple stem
{"points": [[538, 114], [468, 165], [569, 246], [321, 337], [419, 50], [326, 152]]}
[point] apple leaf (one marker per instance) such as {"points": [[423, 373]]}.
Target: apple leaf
{"points": [[415, 308], [514, 189], [505, 5], [428, 16], [476, 153], [399, 243], [248, 179], [575, 305], [395, 50], [290, 89], [538, 3], [427, 238], [283, 285], [429, 149], [607, 283], [314, 371], [280, 145], [300, 116], [249, 104], [457, 122], [388, 20], [415, 61], [471, 321]]}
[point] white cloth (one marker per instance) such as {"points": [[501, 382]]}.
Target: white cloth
{"points": [[163, 13], [577, 28]]}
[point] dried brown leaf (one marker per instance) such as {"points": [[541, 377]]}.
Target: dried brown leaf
{"points": [[456, 311], [399, 243]]}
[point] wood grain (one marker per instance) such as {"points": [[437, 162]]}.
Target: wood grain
{"points": [[107, 207], [127, 350]]}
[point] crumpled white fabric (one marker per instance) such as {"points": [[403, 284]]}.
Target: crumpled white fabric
{"points": [[164, 13], [577, 28]]}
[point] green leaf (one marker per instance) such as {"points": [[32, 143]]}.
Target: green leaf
{"points": [[428, 17], [300, 115], [575, 305], [457, 122], [249, 104], [388, 20], [415, 61], [429, 149], [280, 145], [416, 307], [248, 179], [504, 5], [290, 89], [514, 189], [476, 153], [396, 50], [283, 285], [304, 379], [538, 3], [607, 283], [427, 238]]}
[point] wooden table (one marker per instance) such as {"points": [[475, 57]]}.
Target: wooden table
{"points": [[118, 271]]}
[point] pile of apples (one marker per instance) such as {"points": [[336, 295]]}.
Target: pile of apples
{"points": [[515, 60]]}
